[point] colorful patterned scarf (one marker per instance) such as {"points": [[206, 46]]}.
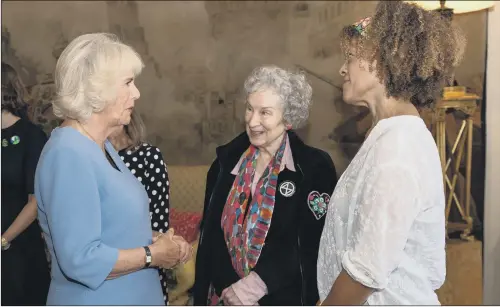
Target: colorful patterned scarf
{"points": [[245, 236]]}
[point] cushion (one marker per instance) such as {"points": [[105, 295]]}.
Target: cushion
{"points": [[185, 224]]}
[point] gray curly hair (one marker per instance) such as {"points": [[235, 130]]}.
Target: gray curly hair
{"points": [[292, 88]]}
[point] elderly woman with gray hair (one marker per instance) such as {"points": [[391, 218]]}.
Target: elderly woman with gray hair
{"points": [[265, 202], [92, 210]]}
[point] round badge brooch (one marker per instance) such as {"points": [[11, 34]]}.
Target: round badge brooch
{"points": [[287, 188], [15, 140]]}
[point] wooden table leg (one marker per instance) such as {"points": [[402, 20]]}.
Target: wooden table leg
{"points": [[442, 148], [468, 174]]}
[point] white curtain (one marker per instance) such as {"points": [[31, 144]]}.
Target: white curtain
{"points": [[491, 255]]}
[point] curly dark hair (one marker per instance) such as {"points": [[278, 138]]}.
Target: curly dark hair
{"points": [[416, 50], [13, 92]]}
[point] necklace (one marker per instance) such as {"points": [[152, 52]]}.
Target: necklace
{"points": [[91, 137]]}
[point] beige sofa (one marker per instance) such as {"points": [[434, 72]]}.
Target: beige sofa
{"points": [[187, 193], [187, 187]]}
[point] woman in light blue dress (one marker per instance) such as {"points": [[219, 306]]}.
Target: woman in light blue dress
{"points": [[93, 212]]}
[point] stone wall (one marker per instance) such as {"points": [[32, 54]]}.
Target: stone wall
{"points": [[197, 55]]}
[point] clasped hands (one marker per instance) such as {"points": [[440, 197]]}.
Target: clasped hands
{"points": [[169, 250]]}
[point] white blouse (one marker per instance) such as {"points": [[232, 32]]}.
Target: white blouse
{"points": [[385, 224]]}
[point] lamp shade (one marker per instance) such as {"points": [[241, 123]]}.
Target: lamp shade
{"points": [[458, 7]]}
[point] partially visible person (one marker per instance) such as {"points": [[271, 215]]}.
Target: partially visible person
{"points": [[93, 211], [25, 271], [265, 202], [384, 237], [146, 162]]}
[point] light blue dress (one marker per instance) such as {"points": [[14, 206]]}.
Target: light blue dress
{"points": [[88, 210]]}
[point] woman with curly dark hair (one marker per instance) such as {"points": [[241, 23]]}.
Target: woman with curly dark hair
{"points": [[384, 237], [25, 272]]}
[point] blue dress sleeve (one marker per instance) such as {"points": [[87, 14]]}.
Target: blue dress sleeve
{"points": [[70, 195]]}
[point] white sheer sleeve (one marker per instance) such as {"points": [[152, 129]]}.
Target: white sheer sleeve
{"points": [[381, 225]]}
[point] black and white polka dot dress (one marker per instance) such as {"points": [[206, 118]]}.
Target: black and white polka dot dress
{"points": [[147, 165]]}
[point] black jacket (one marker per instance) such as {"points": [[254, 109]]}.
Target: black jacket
{"points": [[287, 263]]}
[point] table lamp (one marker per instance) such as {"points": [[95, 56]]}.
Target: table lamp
{"points": [[449, 8]]}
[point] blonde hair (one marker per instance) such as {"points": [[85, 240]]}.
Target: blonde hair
{"points": [[87, 74]]}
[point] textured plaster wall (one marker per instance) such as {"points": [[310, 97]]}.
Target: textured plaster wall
{"points": [[197, 55]]}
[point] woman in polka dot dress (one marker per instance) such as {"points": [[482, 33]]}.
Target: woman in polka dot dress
{"points": [[145, 161]]}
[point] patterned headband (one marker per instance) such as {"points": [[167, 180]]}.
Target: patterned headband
{"points": [[361, 25]]}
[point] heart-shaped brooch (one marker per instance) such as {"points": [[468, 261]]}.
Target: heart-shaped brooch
{"points": [[318, 203]]}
